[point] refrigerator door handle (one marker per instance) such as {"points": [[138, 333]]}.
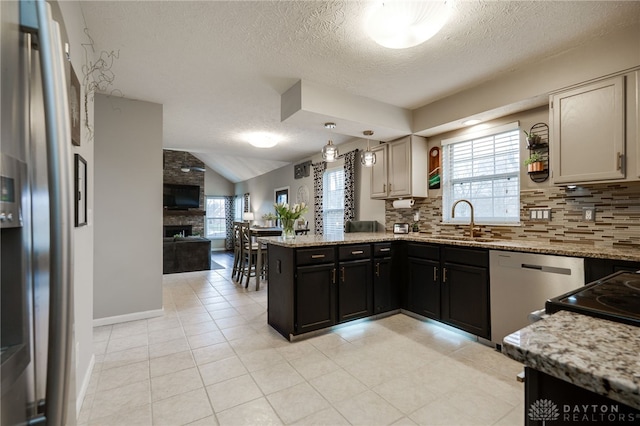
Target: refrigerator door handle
{"points": [[58, 159]]}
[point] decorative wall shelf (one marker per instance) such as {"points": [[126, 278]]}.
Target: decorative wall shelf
{"points": [[540, 147]]}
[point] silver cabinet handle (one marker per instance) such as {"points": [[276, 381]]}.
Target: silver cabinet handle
{"points": [[444, 275], [435, 274], [384, 187], [333, 276], [357, 252], [342, 273], [317, 256], [385, 249], [619, 166], [377, 269]]}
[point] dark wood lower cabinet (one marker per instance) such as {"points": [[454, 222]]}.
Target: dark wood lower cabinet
{"points": [[318, 287], [385, 293], [355, 299], [315, 297], [423, 293], [465, 298], [549, 399], [594, 269]]}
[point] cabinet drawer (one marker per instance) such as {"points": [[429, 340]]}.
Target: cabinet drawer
{"points": [[382, 249], [424, 251], [355, 252], [312, 256], [465, 256]]}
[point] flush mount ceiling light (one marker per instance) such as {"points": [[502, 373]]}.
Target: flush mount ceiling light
{"points": [[368, 158], [262, 139], [330, 151], [400, 24]]}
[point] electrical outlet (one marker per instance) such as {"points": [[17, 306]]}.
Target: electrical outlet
{"points": [[589, 214], [540, 214]]}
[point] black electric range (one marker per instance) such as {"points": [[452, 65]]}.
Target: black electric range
{"points": [[615, 297]]}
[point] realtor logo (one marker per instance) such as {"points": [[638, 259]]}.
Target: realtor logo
{"points": [[543, 410]]}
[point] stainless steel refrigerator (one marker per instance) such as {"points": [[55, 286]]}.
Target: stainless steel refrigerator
{"points": [[36, 335]]}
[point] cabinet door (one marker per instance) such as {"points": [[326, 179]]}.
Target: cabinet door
{"points": [[465, 298], [355, 299], [315, 297], [379, 173], [400, 168], [423, 293], [588, 127], [385, 294]]}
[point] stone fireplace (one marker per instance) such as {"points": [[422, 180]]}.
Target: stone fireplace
{"points": [[184, 230], [193, 219]]}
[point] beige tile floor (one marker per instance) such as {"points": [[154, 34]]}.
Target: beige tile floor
{"points": [[212, 359]]}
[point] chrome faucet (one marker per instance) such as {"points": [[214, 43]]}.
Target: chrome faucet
{"points": [[453, 214]]}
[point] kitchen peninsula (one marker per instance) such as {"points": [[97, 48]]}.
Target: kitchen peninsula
{"points": [[316, 282], [583, 365]]}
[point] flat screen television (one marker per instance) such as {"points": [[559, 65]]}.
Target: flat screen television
{"points": [[180, 197]]}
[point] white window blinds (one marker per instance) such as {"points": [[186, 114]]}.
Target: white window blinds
{"points": [[333, 201], [216, 225], [483, 168]]}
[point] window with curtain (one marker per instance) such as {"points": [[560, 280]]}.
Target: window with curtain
{"points": [[483, 168], [333, 201], [238, 208], [215, 220]]}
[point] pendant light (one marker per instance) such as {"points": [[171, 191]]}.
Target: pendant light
{"points": [[368, 157], [330, 151]]}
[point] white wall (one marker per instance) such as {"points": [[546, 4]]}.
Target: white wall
{"points": [[261, 188], [216, 185], [603, 55], [82, 236], [128, 209]]}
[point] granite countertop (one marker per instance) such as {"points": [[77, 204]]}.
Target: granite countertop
{"points": [[595, 354], [554, 248]]}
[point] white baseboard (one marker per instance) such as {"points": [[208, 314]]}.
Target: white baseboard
{"points": [[128, 317], [85, 386]]}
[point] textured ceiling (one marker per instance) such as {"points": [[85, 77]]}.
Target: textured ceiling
{"points": [[220, 67]]}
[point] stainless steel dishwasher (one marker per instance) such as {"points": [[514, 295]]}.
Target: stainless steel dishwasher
{"points": [[522, 282]]}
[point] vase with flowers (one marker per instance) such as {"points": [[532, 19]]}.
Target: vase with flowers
{"points": [[288, 216]]}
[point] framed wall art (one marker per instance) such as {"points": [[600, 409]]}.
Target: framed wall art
{"points": [[74, 108], [80, 190]]}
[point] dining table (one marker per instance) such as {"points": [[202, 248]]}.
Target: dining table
{"points": [[275, 231]]}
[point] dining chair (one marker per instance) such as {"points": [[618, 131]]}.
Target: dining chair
{"points": [[237, 249], [249, 254]]}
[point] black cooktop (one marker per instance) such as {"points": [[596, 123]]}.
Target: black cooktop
{"points": [[615, 297]]}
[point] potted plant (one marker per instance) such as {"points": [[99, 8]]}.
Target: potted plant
{"points": [[288, 215], [532, 139], [269, 220], [534, 163]]}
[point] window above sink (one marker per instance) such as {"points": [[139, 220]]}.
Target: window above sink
{"points": [[484, 168]]}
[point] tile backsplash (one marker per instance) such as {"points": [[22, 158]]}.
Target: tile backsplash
{"points": [[617, 216]]}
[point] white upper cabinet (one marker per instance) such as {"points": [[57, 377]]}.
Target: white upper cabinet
{"points": [[379, 173], [588, 132], [401, 169]]}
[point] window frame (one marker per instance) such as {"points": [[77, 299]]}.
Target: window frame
{"points": [[223, 234], [510, 131], [326, 198]]}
